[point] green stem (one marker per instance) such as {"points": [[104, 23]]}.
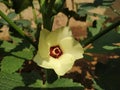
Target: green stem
{"points": [[103, 32], [18, 29], [51, 76], [48, 14], [34, 13], [48, 18], [48, 21]]}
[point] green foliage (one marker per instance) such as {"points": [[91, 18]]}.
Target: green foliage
{"points": [[7, 3], [97, 26], [12, 62], [10, 15], [111, 47], [84, 7], [58, 5], [10, 81], [20, 5], [109, 75], [25, 54], [118, 30], [32, 81], [59, 83], [48, 10], [23, 23], [96, 86], [105, 44], [7, 46]]}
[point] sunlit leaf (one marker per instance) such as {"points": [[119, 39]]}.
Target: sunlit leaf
{"points": [[8, 46], [24, 23], [111, 47], [82, 12], [60, 83], [10, 81], [11, 64], [118, 29], [106, 40], [16, 40], [25, 54], [96, 86], [12, 15], [97, 26]]}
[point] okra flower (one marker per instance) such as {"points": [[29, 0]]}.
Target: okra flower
{"points": [[58, 50]]}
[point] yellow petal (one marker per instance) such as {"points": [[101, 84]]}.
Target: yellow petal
{"points": [[70, 45], [43, 62], [43, 48], [55, 36], [62, 64]]}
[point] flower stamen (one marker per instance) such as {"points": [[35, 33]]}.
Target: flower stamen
{"points": [[55, 51]]}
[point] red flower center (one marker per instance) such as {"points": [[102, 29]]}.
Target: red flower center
{"points": [[55, 51]]}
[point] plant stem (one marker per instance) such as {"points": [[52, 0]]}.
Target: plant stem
{"points": [[47, 22], [47, 13], [34, 13], [18, 29], [103, 32]]}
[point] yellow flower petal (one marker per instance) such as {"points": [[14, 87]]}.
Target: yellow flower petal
{"points": [[43, 48], [70, 45], [43, 62], [63, 64], [57, 35]]}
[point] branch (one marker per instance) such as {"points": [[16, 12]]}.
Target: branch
{"points": [[103, 32], [18, 29]]}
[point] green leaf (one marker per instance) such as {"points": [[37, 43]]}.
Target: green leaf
{"points": [[16, 40], [58, 5], [25, 54], [97, 26], [24, 23], [12, 15], [8, 46], [11, 64], [59, 83], [82, 12], [94, 31], [96, 86], [7, 3], [2, 21], [96, 3], [105, 43], [111, 47], [118, 29], [20, 5], [10, 81], [109, 79]]}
